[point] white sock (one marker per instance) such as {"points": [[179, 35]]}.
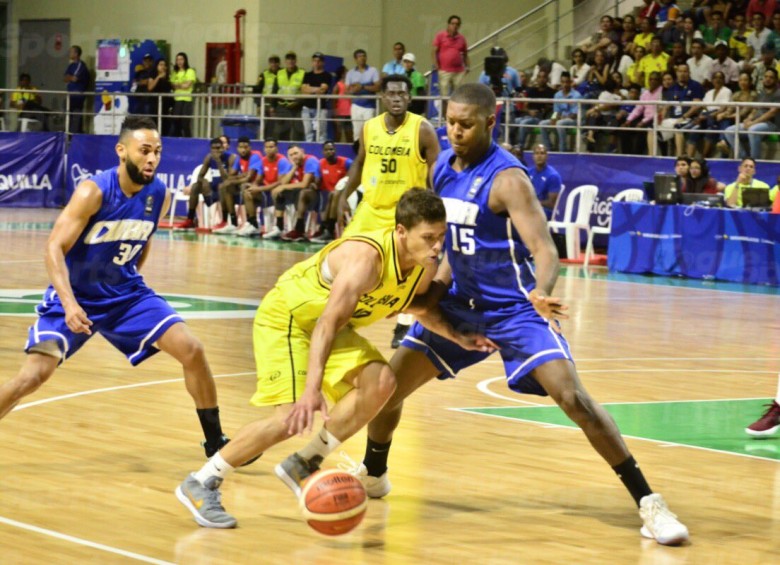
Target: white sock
{"points": [[214, 467], [777, 398], [323, 445], [405, 319]]}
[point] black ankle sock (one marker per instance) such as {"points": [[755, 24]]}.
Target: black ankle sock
{"points": [[253, 221], [631, 475], [330, 225], [280, 223], [209, 421], [191, 215], [234, 219], [300, 225], [376, 457]]}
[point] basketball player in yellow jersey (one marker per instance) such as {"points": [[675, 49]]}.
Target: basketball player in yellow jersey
{"points": [[307, 350], [397, 150]]}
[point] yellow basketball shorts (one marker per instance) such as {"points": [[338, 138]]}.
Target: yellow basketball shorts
{"points": [[367, 219], [282, 355]]}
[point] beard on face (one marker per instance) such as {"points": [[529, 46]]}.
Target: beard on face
{"points": [[136, 175]]}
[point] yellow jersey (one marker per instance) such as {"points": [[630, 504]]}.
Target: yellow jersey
{"points": [[394, 163], [306, 292]]}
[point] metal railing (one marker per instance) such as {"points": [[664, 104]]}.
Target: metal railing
{"points": [[211, 111]]}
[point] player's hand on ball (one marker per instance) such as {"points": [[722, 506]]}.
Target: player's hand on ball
{"points": [[301, 418], [549, 308]]}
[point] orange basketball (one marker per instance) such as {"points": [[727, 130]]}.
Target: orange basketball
{"points": [[333, 502]]}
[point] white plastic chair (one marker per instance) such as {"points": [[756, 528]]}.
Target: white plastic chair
{"points": [[205, 213], [586, 195], [627, 195]]}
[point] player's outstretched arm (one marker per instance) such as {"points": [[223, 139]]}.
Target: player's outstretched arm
{"points": [[84, 204], [357, 269], [431, 289], [513, 193]]}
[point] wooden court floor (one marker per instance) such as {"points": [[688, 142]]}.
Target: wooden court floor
{"points": [[89, 463]]}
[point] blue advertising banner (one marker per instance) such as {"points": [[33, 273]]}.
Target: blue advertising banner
{"points": [[731, 245], [31, 169]]}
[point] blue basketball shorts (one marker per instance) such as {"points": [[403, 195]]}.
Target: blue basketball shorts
{"points": [[525, 338], [132, 325]]}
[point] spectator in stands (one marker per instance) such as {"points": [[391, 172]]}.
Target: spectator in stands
{"points": [[598, 75], [745, 180], [673, 32], [715, 30], [767, 61], [144, 104], [725, 64], [546, 180], [333, 168], [507, 85], [711, 118], [633, 73], [275, 167], [645, 36], [617, 60], [602, 38], [759, 37], [745, 93], [243, 174], [724, 7], [700, 64], [315, 111], [775, 190], [655, 61], [342, 107], [682, 166], [667, 14], [643, 116], [679, 115], [690, 33], [450, 57], [268, 85], [27, 101], [183, 79], [288, 108], [579, 68], [738, 40], [535, 112], [633, 93], [77, 77], [760, 120], [627, 33], [300, 189], [677, 57], [161, 84], [603, 112], [552, 69], [564, 114], [362, 81], [650, 9], [419, 84], [764, 7], [219, 163], [774, 37], [699, 180], [396, 65]]}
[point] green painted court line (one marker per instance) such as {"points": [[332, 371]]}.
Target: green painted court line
{"points": [[711, 425]]}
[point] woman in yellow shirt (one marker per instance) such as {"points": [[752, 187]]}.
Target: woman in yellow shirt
{"points": [[183, 81]]}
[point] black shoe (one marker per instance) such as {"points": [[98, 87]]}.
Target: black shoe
{"points": [[398, 335], [224, 440]]}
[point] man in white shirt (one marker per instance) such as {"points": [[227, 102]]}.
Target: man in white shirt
{"points": [[725, 64], [700, 64]]}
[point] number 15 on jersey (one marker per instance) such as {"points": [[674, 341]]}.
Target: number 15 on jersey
{"points": [[462, 239]]}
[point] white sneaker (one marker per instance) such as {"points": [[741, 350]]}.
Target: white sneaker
{"points": [[376, 487], [229, 229], [660, 524], [275, 233], [248, 230]]}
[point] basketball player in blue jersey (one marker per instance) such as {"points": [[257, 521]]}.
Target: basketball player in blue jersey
{"points": [[93, 257], [487, 283]]}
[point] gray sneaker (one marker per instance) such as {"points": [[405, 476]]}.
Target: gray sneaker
{"points": [[295, 469], [203, 501]]}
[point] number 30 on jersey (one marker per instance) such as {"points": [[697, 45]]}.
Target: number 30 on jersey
{"points": [[462, 239]]}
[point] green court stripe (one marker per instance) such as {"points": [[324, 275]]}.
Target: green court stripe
{"points": [[715, 425]]}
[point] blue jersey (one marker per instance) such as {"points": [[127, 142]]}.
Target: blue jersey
{"points": [[491, 267], [214, 166], [102, 263]]}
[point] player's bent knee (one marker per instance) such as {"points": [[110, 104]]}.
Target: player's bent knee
{"points": [[579, 406], [386, 384]]}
